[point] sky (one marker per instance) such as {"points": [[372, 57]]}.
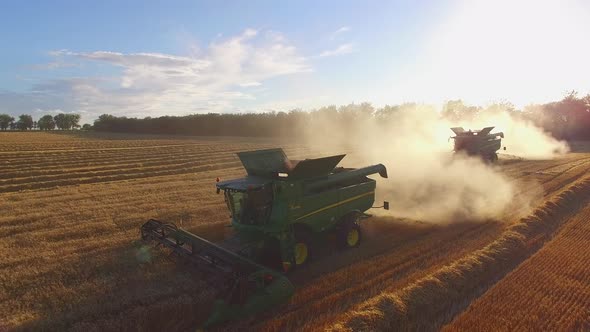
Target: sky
{"points": [[153, 58]]}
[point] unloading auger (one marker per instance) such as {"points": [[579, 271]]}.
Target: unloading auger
{"points": [[279, 212]]}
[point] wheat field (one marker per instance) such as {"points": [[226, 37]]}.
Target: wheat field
{"points": [[71, 206], [549, 291]]}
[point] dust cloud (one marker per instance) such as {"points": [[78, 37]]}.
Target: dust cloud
{"points": [[522, 138], [427, 181]]}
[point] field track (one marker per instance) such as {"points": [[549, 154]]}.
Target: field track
{"points": [[71, 207]]}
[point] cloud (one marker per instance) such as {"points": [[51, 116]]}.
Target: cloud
{"points": [[340, 50], [53, 65], [42, 112], [284, 104], [340, 31], [250, 84], [57, 63], [152, 84]]}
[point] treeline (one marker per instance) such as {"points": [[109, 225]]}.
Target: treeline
{"points": [[47, 122], [250, 124], [567, 119]]}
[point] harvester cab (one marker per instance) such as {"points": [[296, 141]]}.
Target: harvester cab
{"points": [[480, 143], [278, 213]]}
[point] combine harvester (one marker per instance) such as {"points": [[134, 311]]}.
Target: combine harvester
{"points": [[278, 212], [478, 142]]}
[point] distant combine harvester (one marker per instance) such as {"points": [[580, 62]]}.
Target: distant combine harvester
{"points": [[478, 142]]}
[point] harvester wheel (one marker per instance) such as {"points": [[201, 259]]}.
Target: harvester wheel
{"points": [[350, 236], [490, 158], [303, 248]]}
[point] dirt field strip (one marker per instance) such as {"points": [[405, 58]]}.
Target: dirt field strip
{"points": [[441, 295]]}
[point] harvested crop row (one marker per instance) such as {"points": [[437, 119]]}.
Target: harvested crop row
{"points": [[84, 253], [549, 291], [98, 163], [24, 142], [84, 264], [444, 293], [175, 162], [76, 178], [76, 159], [367, 276], [115, 177], [101, 154], [73, 175]]}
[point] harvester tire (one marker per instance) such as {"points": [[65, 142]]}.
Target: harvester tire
{"points": [[490, 158], [350, 235], [303, 248]]}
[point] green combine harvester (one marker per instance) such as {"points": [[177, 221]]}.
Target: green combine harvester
{"points": [[480, 143], [279, 212]]}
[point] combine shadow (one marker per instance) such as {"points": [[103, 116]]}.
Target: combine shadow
{"points": [[380, 235], [137, 289], [140, 288]]}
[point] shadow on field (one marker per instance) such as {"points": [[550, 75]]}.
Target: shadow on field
{"points": [[379, 235], [131, 287], [139, 288]]}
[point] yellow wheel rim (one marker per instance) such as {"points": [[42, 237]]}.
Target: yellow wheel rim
{"points": [[352, 238], [300, 253]]}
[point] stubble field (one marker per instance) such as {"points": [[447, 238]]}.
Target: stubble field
{"points": [[71, 206]]}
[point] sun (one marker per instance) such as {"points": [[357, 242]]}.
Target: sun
{"points": [[521, 51]]}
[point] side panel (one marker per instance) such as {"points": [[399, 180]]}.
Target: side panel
{"points": [[491, 146], [360, 197], [475, 145], [317, 211], [323, 210]]}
